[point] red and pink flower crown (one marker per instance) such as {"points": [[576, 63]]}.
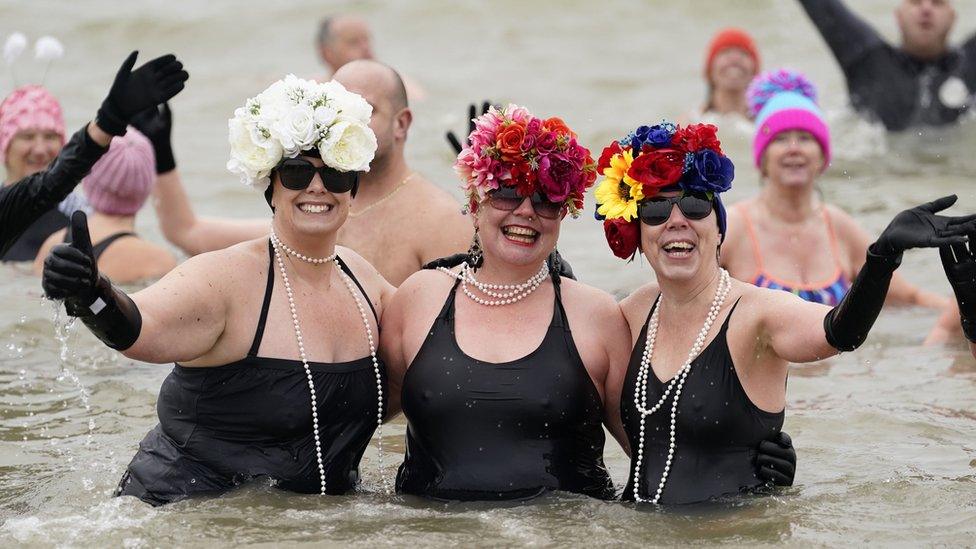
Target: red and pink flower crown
{"points": [[512, 148]]}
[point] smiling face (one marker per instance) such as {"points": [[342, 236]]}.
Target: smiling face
{"points": [[793, 158], [925, 25], [311, 211], [31, 151], [518, 237], [732, 69], [680, 248]]}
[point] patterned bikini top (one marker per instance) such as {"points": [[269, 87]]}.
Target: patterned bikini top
{"points": [[828, 293]]}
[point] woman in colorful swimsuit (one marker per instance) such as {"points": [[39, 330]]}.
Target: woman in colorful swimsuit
{"points": [[707, 375], [786, 237]]}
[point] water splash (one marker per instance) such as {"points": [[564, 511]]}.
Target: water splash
{"points": [[63, 325]]}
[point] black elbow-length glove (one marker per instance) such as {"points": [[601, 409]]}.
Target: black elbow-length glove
{"points": [[960, 268], [71, 273], [847, 325]]}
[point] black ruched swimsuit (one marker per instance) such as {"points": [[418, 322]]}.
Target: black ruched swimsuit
{"points": [[718, 428], [220, 426], [493, 431]]}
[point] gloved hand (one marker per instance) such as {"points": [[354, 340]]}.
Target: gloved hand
{"points": [[452, 138], [919, 227], [71, 273], [156, 123], [776, 461], [134, 91], [960, 269]]}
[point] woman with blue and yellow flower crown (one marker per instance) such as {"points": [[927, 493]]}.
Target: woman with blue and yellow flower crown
{"points": [[706, 382]]}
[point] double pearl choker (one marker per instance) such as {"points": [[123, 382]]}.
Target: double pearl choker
{"points": [[503, 294], [280, 246], [676, 383]]}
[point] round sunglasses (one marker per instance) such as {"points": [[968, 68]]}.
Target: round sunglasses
{"points": [[297, 173], [507, 199], [657, 210]]}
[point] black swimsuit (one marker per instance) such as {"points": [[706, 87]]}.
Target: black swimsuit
{"points": [[718, 428], [220, 426], [489, 431]]}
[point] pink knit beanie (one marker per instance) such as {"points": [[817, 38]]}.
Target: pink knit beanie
{"points": [[121, 180], [26, 108]]}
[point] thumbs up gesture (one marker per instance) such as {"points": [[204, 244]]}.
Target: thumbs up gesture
{"points": [[70, 271]]}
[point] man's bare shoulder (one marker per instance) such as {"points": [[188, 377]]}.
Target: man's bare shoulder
{"points": [[431, 203]]}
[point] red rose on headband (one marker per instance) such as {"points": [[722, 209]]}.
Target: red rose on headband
{"points": [[622, 236], [523, 178], [606, 155], [695, 137], [510, 141], [657, 168]]}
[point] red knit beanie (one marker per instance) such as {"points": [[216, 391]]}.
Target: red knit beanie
{"points": [[730, 38]]}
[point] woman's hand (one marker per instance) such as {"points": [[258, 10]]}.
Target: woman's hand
{"points": [[134, 91], [919, 227]]}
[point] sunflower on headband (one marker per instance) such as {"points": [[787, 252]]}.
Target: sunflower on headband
{"points": [[652, 159]]}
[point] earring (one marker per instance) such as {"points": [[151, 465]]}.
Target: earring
{"points": [[475, 254]]}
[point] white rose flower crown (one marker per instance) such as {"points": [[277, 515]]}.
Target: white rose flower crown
{"points": [[295, 115]]}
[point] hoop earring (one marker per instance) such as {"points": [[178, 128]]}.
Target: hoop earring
{"points": [[476, 255]]}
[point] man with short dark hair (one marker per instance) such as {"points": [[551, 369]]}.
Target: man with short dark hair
{"points": [[922, 82]]}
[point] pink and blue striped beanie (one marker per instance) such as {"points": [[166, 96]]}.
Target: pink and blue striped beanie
{"points": [[785, 100]]}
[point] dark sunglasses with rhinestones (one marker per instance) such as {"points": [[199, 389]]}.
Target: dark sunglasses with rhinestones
{"points": [[657, 210], [507, 199], [297, 173]]}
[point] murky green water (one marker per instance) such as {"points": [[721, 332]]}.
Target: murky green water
{"points": [[886, 436]]}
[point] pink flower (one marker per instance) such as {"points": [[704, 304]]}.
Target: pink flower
{"points": [[546, 143], [576, 153], [534, 127], [517, 114], [558, 176]]}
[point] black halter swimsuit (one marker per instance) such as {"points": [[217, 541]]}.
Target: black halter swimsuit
{"points": [[718, 428], [493, 431], [220, 426]]}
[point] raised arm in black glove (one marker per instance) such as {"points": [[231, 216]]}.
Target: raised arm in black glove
{"points": [[847, 325], [452, 138], [71, 273], [960, 268], [137, 90], [156, 123]]}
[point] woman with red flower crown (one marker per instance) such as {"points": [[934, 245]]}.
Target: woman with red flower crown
{"points": [[503, 362], [694, 436], [786, 238]]}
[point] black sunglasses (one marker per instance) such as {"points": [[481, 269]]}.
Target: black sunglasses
{"points": [[657, 210], [297, 173], [507, 199]]}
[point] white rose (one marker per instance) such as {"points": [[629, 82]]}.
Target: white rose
{"points": [[252, 160], [352, 107], [324, 116], [296, 129], [348, 147]]}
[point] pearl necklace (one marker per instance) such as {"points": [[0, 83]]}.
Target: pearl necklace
{"points": [[676, 383], [279, 245], [511, 293]]}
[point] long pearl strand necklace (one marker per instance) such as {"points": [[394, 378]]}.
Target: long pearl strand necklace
{"points": [[676, 383], [281, 246], [509, 293]]}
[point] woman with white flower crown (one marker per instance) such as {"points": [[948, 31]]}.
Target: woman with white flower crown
{"points": [[275, 339], [706, 383]]}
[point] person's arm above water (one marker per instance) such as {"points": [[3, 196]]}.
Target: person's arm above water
{"points": [[848, 36], [179, 318], [959, 264], [799, 331], [132, 91], [179, 224]]}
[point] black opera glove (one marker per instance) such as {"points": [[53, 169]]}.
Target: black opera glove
{"points": [[847, 325], [156, 123], [452, 138], [776, 460], [960, 268], [135, 91], [71, 273]]}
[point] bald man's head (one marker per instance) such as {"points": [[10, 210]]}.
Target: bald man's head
{"points": [[344, 38], [382, 88], [373, 79]]}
